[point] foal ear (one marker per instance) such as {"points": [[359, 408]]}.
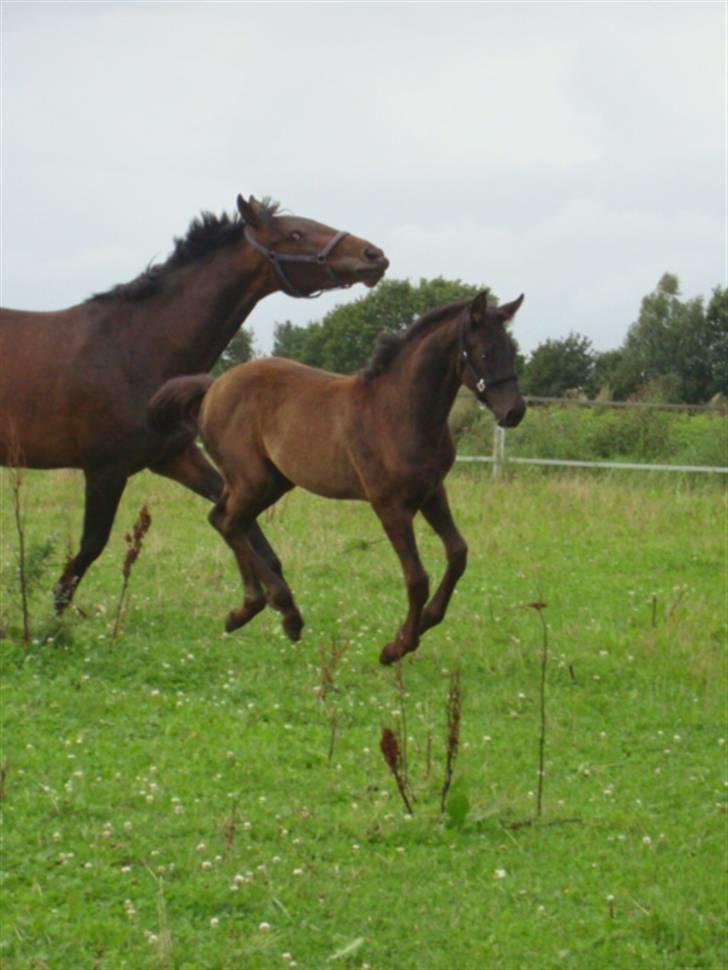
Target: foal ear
{"points": [[509, 310], [479, 307], [248, 210]]}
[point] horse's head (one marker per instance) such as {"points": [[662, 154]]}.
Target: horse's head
{"points": [[306, 256], [487, 358]]}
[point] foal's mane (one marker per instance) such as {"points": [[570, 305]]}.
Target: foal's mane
{"points": [[389, 345], [207, 233]]}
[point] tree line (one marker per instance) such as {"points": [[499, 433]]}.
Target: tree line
{"points": [[676, 350]]}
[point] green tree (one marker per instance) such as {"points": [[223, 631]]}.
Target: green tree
{"points": [[557, 366], [345, 338], [716, 324], [240, 349], [674, 346], [606, 365]]}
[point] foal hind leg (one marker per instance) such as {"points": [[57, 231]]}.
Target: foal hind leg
{"points": [[257, 562], [254, 596], [437, 513], [103, 492], [190, 468]]}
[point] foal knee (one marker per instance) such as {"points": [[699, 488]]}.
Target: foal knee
{"points": [[458, 558], [418, 589]]}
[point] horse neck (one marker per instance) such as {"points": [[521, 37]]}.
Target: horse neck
{"points": [[201, 309], [425, 377]]}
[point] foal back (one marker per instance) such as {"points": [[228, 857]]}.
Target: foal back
{"points": [[304, 422]]}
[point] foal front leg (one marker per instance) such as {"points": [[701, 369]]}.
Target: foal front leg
{"points": [[397, 524], [436, 511]]}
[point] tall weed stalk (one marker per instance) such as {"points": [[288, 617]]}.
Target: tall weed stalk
{"points": [[389, 746], [134, 541], [15, 463], [454, 708]]}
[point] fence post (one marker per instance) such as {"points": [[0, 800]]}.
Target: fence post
{"points": [[499, 450]]}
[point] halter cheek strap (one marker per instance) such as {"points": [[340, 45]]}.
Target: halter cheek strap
{"points": [[482, 383], [277, 259]]}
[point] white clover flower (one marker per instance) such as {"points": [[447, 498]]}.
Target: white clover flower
{"points": [[264, 927], [500, 873]]}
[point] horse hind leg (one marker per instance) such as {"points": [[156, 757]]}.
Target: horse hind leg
{"points": [[103, 493]]}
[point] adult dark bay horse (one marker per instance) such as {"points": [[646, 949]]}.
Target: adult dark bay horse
{"points": [[74, 384], [379, 435]]}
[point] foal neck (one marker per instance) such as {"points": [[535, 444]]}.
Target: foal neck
{"points": [[425, 375]]}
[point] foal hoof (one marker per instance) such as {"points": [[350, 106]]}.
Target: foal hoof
{"points": [[390, 654], [233, 621], [292, 626]]}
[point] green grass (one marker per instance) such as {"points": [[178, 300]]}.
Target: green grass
{"points": [[168, 799]]}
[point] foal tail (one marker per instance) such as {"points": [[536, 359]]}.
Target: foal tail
{"points": [[176, 405]]}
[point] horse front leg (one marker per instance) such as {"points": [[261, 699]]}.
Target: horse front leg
{"points": [[436, 511], [104, 489], [397, 524]]}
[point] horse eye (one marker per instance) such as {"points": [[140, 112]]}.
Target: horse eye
{"points": [[296, 235]]}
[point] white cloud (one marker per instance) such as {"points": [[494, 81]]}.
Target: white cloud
{"points": [[571, 150]]}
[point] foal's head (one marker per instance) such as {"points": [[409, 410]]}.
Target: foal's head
{"points": [[487, 358], [308, 257]]}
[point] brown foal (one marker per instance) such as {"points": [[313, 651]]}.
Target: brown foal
{"points": [[380, 435]]}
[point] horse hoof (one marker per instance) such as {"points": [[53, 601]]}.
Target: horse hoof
{"points": [[292, 625], [62, 596]]}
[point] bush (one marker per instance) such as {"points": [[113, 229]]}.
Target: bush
{"points": [[642, 435]]}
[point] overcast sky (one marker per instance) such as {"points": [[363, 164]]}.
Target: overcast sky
{"points": [[571, 150]]}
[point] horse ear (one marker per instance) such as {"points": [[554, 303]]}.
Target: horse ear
{"points": [[509, 310], [479, 307], [248, 211]]}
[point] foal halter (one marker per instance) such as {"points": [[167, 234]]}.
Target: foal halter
{"points": [[482, 383], [277, 259]]}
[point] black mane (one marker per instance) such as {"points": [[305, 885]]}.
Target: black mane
{"points": [[390, 344], [206, 234]]}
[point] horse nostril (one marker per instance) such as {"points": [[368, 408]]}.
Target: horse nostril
{"points": [[373, 254]]}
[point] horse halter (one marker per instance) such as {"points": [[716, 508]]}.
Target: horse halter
{"points": [[278, 258], [482, 383]]}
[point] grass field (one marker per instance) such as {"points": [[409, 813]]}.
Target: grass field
{"points": [[180, 798]]}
